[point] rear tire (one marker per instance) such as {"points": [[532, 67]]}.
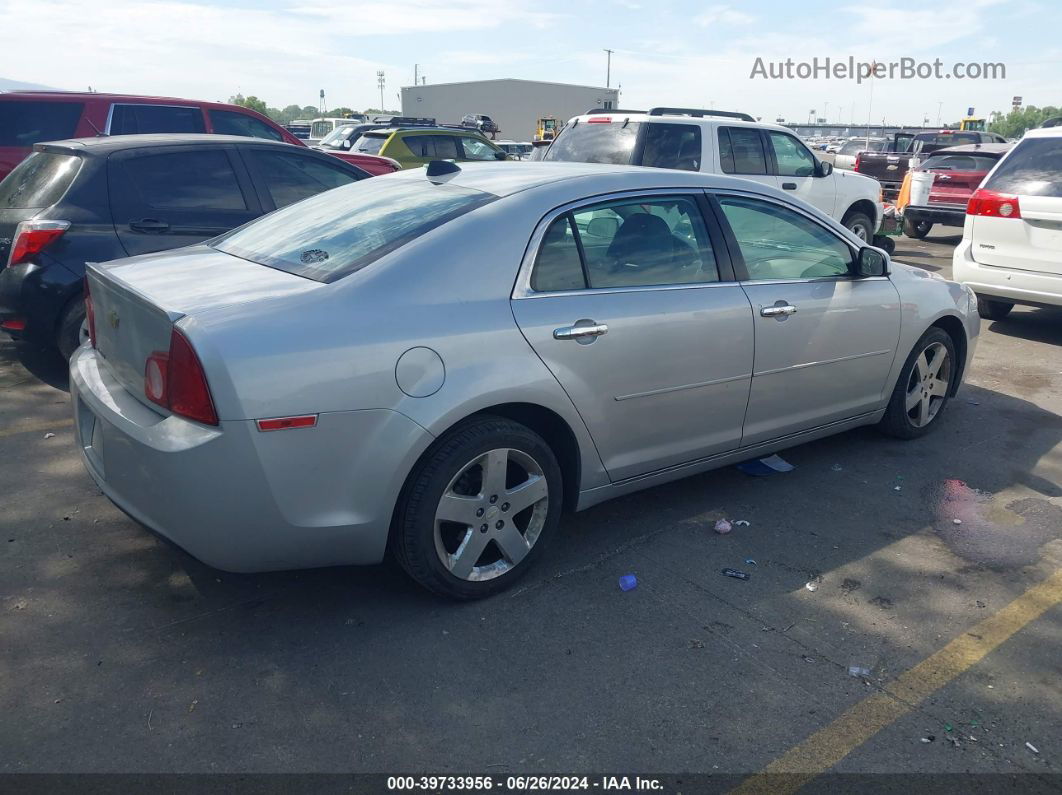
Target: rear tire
{"points": [[990, 309], [924, 387], [917, 230], [860, 225], [71, 328], [480, 475]]}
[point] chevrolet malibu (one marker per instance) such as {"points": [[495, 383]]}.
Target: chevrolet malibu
{"points": [[439, 362]]}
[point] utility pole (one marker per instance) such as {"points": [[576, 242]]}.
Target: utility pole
{"points": [[381, 82], [825, 112], [608, 69], [939, 106], [416, 80]]}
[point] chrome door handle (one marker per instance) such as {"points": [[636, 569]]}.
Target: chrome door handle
{"points": [[777, 310], [577, 332]]}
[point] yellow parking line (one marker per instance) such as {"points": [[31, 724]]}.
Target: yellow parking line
{"points": [[37, 426], [831, 744]]}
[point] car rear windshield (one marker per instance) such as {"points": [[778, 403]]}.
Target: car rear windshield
{"points": [[333, 234], [594, 142], [1034, 168], [38, 181], [960, 162], [938, 140], [27, 123], [852, 147]]}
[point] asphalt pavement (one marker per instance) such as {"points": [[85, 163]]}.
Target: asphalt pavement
{"points": [[119, 653]]}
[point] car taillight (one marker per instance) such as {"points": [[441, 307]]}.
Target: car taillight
{"points": [[90, 314], [599, 120], [31, 237], [992, 204], [175, 380], [859, 160]]}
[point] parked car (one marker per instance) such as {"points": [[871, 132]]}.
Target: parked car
{"points": [[30, 117], [890, 166], [958, 171], [850, 149], [478, 121], [722, 142], [97, 199], [520, 150], [321, 128], [525, 376], [414, 147], [1011, 249], [342, 138]]}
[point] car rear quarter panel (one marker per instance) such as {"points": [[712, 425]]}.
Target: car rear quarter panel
{"points": [[336, 349]]}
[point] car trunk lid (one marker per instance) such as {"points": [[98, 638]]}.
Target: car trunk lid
{"points": [[954, 187], [137, 301]]}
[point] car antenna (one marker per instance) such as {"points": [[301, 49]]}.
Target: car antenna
{"points": [[99, 132]]}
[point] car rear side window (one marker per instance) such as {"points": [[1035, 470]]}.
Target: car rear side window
{"points": [[630, 243], [189, 180], [741, 151], [595, 142], [27, 123], [672, 146], [38, 181], [292, 176], [139, 119], [228, 122], [332, 235], [1033, 168]]}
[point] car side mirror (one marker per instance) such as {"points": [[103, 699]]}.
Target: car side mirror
{"points": [[872, 262], [823, 169], [346, 144], [501, 156]]}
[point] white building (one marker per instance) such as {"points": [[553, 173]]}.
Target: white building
{"points": [[515, 105]]}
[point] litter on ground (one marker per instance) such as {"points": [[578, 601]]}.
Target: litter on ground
{"points": [[628, 582], [759, 467]]}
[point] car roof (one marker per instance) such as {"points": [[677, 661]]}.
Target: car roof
{"points": [[686, 118], [111, 143], [505, 179], [87, 95], [1044, 132], [973, 149]]}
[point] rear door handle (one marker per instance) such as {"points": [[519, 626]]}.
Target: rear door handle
{"points": [[789, 186], [778, 310], [583, 331], [149, 225]]}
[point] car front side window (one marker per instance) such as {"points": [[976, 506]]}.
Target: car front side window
{"points": [[477, 150], [793, 158], [781, 244]]}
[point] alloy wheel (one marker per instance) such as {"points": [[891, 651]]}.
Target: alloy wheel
{"points": [[927, 386], [491, 514]]}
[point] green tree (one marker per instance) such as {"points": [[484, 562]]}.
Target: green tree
{"points": [[252, 102], [1017, 122]]}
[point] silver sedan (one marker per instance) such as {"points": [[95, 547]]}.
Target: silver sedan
{"points": [[441, 361]]}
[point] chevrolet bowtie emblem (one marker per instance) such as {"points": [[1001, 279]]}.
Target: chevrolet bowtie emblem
{"points": [[113, 319]]}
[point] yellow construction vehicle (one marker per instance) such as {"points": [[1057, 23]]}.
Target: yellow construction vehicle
{"points": [[971, 122], [547, 128]]}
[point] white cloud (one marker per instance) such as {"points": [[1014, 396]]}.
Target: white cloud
{"points": [[723, 15], [422, 16]]}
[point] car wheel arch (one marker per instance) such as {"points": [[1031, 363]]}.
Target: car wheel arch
{"points": [[867, 208], [954, 328]]}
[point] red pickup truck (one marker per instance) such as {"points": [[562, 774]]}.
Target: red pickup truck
{"points": [[29, 117], [957, 173], [891, 166]]}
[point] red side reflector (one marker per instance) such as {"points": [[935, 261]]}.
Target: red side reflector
{"points": [[283, 423], [992, 204], [599, 120], [13, 324]]}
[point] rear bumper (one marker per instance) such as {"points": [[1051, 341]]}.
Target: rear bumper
{"points": [[1008, 284], [38, 294], [948, 215], [238, 499]]}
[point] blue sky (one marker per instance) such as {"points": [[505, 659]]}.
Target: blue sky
{"points": [[666, 53]]}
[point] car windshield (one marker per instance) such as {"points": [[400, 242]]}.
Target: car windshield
{"points": [[335, 139], [335, 233], [1034, 168], [594, 142]]}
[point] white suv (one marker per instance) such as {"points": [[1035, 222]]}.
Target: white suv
{"points": [[721, 142], [1011, 249]]}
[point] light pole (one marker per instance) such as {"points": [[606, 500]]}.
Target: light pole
{"points": [[381, 83], [608, 69], [939, 106], [826, 112]]}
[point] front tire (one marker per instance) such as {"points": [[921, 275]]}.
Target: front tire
{"points": [[924, 387], [860, 225], [478, 509], [993, 310]]}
